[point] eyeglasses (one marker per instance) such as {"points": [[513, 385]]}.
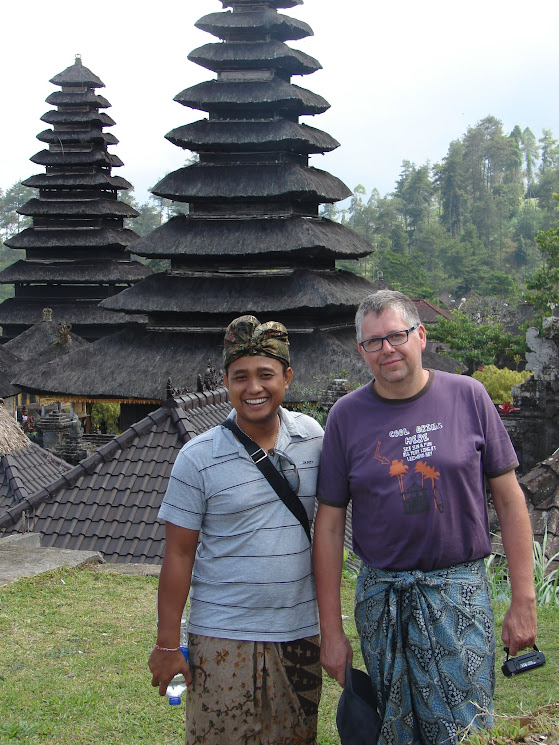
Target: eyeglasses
{"points": [[288, 470], [395, 340]]}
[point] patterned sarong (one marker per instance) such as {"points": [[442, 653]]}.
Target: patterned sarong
{"points": [[429, 645], [253, 693]]}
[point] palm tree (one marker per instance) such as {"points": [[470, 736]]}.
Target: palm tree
{"points": [[398, 469]]}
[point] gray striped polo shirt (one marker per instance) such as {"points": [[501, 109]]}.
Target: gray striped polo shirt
{"points": [[252, 578]]}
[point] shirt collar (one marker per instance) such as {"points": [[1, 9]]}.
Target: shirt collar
{"points": [[226, 444]]}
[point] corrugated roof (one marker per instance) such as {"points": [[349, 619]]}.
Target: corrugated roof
{"points": [[25, 468], [109, 501], [430, 313]]}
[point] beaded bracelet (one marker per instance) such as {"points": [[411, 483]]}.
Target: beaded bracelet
{"points": [[166, 649]]}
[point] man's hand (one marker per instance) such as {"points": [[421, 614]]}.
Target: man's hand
{"points": [[519, 626], [164, 666], [334, 653]]}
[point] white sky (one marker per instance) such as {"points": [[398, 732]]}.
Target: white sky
{"points": [[403, 78]]}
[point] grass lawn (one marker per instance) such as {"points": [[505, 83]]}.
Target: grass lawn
{"points": [[73, 664]]}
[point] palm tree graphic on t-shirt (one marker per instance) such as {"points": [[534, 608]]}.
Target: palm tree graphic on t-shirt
{"points": [[418, 498], [398, 469], [430, 472]]}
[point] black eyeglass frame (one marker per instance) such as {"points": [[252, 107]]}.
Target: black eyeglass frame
{"points": [[382, 339]]}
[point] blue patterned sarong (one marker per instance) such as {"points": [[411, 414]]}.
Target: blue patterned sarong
{"points": [[429, 645]]}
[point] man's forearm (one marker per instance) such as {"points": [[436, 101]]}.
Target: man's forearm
{"points": [[328, 546]]}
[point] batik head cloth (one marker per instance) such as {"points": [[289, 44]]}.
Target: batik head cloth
{"points": [[247, 337]]}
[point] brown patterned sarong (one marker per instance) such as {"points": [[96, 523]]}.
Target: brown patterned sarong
{"points": [[253, 693]]}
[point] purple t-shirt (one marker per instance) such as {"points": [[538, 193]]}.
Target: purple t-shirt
{"points": [[414, 470]]}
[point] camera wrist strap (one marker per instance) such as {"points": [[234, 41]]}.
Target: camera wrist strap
{"points": [[278, 482]]}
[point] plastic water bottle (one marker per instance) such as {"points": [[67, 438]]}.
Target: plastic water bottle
{"points": [[177, 686]]}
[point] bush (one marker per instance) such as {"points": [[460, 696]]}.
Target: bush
{"points": [[108, 413], [499, 382]]}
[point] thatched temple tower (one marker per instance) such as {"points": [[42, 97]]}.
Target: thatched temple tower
{"points": [[76, 250], [253, 241]]}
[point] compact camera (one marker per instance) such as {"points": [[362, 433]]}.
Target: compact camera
{"points": [[514, 665]]}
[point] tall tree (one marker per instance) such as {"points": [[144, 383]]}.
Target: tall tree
{"points": [[544, 284], [530, 151], [450, 178]]}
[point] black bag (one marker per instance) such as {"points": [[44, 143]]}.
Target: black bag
{"points": [[279, 484], [357, 718]]}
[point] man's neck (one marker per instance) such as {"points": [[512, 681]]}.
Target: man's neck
{"points": [[264, 433], [402, 389]]}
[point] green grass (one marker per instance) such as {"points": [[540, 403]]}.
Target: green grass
{"points": [[73, 664]]}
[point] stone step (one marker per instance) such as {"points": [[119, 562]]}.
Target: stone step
{"points": [[21, 555]]}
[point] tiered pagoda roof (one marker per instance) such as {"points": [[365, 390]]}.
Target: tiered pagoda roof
{"points": [[253, 240], [76, 249]]}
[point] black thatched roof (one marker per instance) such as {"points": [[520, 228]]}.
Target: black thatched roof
{"points": [[289, 181], [9, 363], [75, 208], [253, 202], [135, 364], [78, 117], [14, 311], [74, 98], [76, 249], [77, 75], [278, 134], [9, 359], [266, 21], [276, 94], [7, 390], [68, 158], [101, 180], [85, 135], [51, 240], [271, 3], [269, 293], [312, 237], [101, 272], [42, 343], [269, 54]]}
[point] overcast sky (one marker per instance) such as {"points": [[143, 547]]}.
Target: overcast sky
{"points": [[403, 78]]}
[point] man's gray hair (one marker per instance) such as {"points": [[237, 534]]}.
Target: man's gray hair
{"points": [[382, 300]]}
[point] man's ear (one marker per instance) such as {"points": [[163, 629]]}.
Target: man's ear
{"points": [[422, 335], [288, 377]]}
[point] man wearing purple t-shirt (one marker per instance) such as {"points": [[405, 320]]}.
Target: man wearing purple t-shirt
{"points": [[412, 450]]}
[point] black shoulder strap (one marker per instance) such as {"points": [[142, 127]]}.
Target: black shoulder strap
{"points": [[280, 485]]}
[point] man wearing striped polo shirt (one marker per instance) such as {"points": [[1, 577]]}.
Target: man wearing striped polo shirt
{"points": [[235, 546]]}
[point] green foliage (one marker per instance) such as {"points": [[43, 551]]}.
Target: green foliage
{"points": [[466, 223], [505, 732], [546, 576], [109, 413], [11, 222], [543, 286], [475, 344], [499, 381]]}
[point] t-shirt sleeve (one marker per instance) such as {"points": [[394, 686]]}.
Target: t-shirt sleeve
{"points": [[184, 503], [498, 455], [333, 488]]}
